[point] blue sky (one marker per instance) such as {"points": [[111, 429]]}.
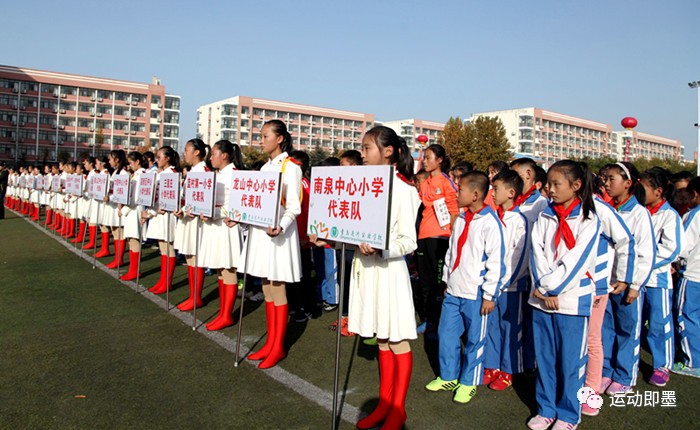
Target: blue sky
{"points": [[601, 60]]}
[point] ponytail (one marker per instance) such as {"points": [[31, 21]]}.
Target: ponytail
{"points": [[233, 152], [659, 177], [401, 157], [120, 155], [172, 156], [439, 152], [578, 170]]}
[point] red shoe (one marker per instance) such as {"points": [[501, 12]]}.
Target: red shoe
{"points": [[118, 261], [490, 375], [92, 229], [104, 249], [132, 273], [196, 278], [265, 350], [225, 308], [344, 328], [168, 269], [386, 391], [81, 233], [277, 351], [221, 297], [502, 381]]}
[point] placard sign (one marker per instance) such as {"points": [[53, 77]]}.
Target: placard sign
{"points": [[351, 204], [146, 193], [22, 182], [31, 181], [169, 192], [121, 184], [200, 192], [74, 185], [99, 186], [254, 198], [56, 184], [40, 182], [47, 182]]}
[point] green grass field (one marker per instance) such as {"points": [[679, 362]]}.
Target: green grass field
{"points": [[80, 349]]}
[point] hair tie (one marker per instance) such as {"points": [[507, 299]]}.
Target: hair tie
{"points": [[625, 169]]}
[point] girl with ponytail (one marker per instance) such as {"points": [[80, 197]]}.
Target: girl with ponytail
{"points": [[112, 211], [381, 302], [133, 229], [275, 255], [623, 316], [564, 244]]}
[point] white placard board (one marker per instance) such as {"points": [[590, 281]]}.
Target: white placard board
{"points": [[22, 182], [99, 186], [31, 182], [254, 198], [169, 192], [74, 185], [146, 193], [40, 182], [200, 193], [351, 204], [56, 184], [47, 182], [121, 187]]}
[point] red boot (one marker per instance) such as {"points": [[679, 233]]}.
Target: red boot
{"points": [[49, 216], [71, 228], [221, 298], [81, 233], [386, 391], [402, 377], [226, 304], [196, 276], [265, 350], [159, 285], [104, 249], [168, 268], [118, 261], [92, 229], [36, 213], [133, 267], [277, 352]]}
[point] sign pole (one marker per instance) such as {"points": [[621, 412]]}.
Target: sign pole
{"points": [[119, 229], [240, 311], [138, 264], [341, 292], [94, 251], [167, 261], [196, 276], [87, 227]]}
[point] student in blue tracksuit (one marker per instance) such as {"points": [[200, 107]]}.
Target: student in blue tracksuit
{"points": [[688, 300], [564, 249], [530, 203], [622, 324], [504, 351], [658, 294], [474, 272]]}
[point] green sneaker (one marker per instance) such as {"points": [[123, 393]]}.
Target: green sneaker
{"points": [[682, 369], [464, 393], [438, 384], [371, 341]]}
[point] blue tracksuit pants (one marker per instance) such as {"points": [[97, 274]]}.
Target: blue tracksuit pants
{"points": [[689, 320], [657, 309], [504, 348], [621, 338]]}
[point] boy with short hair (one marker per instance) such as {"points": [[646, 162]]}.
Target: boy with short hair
{"points": [[474, 270], [504, 343]]}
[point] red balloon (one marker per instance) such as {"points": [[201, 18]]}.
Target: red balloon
{"points": [[422, 138], [629, 123]]}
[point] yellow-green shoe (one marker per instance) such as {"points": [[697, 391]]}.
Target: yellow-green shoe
{"points": [[439, 384], [464, 393]]}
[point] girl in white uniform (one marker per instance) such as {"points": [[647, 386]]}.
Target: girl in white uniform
{"points": [[274, 253], [82, 206], [71, 202], [91, 212], [381, 301], [43, 194], [133, 229], [48, 196], [112, 210], [196, 154], [102, 166], [161, 225], [221, 243]]}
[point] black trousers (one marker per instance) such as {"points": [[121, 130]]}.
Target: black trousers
{"points": [[2, 206], [430, 261]]}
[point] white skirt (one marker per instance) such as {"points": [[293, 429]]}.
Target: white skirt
{"points": [[95, 211], [381, 301], [34, 196], [158, 227], [186, 235], [110, 215], [274, 258], [220, 246], [72, 207], [132, 223], [43, 198], [58, 203]]}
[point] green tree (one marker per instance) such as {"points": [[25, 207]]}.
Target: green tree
{"points": [[480, 142], [252, 155], [317, 155]]}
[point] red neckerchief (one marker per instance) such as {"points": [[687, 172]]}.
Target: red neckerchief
{"points": [[618, 206], [403, 178], [294, 160], [521, 198], [502, 212], [655, 209], [563, 229], [468, 217]]}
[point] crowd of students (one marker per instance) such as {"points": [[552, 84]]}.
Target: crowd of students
{"points": [[515, 270]]}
